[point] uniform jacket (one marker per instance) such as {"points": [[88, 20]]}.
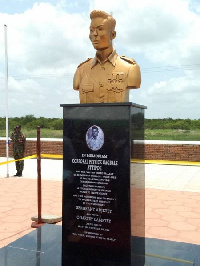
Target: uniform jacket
{"points": [[18, 140], [106, 82]]}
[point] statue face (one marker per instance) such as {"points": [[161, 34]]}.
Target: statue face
{"points": [[100, 34]]}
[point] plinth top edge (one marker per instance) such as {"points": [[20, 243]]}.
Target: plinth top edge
{"points": [[104, 104]]}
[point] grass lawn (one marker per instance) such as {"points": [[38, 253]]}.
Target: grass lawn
{"points": [[172, 134], [153, 134], [32, 133]]}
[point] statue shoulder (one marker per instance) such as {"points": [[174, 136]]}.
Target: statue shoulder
{"points": [[128, 59], [84, 62]]}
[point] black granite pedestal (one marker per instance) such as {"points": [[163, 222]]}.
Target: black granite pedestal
{"points": [[97, 141]]}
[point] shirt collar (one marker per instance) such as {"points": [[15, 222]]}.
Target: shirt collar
{"points": [[112, 59]]}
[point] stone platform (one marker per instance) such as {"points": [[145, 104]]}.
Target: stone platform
{"points": [[43, 247]]}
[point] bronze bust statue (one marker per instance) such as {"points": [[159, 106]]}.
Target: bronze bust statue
{"points": [[107, 77]]}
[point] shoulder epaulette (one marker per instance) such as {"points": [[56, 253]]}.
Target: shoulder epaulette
{"points": [[84, 62], [128, 59]]}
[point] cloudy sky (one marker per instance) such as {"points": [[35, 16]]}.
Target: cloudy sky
{"points": [[48, 39]]}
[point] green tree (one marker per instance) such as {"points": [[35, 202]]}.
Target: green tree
{"points": [[57, 124]]}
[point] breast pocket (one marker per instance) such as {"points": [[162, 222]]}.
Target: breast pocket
{"points": [[87, 88], [87, 93]]}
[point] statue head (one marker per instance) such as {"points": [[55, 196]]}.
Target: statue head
{"points": [[102, 29]]}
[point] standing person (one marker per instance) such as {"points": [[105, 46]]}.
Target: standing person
{"points": [[107, 77], [18, 143]]}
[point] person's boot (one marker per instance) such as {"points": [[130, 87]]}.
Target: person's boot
{"points": [[17, 174], [20, 174]]}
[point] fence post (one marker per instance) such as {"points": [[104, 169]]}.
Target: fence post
{"points": [[39, 189], [38, 220]]}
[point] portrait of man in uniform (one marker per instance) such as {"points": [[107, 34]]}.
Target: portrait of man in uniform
{"points": [[107, 77], [95, 138]]}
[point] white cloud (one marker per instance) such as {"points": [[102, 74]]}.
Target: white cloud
{"points": [[45, 36], [176, 97], [165, 33], [161, 30], [45, 45], [47, 42]]}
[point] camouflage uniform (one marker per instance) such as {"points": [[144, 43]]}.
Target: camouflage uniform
{"points": [[18, 141]]}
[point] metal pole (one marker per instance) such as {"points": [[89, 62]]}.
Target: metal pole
{"points": [[39, 175], [6, 88]]}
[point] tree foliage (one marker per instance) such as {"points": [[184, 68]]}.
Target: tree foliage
{"points": [[31, 122], [169, 123]]}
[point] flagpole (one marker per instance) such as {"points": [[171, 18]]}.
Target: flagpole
{"points": [[6, 88]]}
